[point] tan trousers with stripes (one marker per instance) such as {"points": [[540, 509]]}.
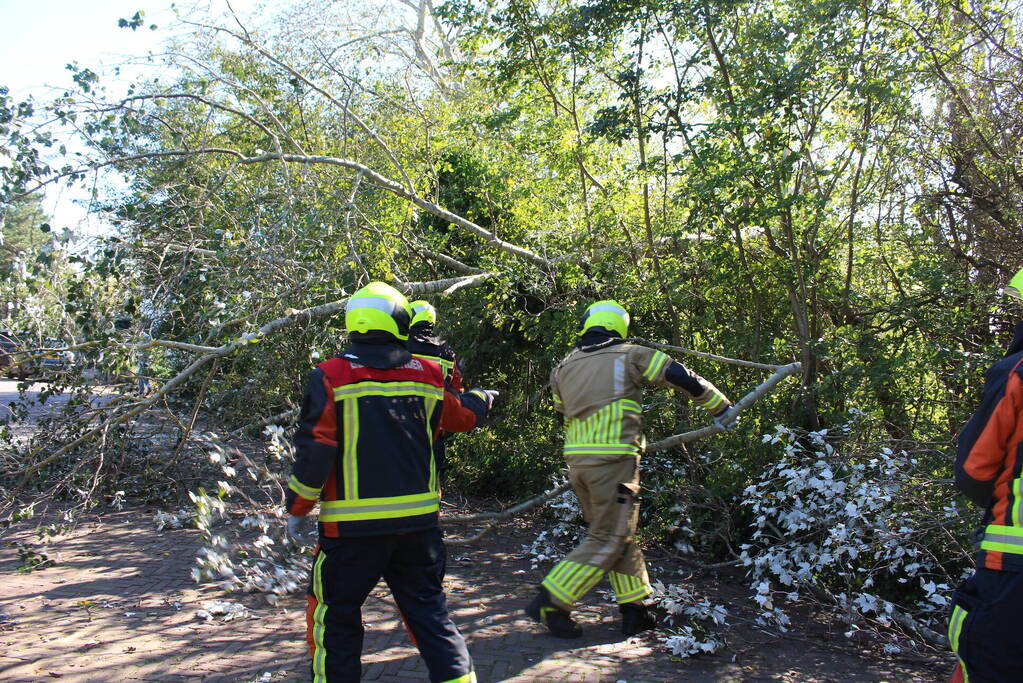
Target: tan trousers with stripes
{"points": [[608, 494]]}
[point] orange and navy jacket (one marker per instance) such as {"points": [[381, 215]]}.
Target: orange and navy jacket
{"points": [[989, 462], [364, 445]]}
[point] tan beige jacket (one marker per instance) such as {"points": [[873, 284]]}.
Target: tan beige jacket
{"points": [[600, 393]]}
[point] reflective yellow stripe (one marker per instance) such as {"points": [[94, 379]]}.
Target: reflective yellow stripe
{"points": [[445, 365], [1003, 539], [553, 580], [628, 588], [350, 456], [556, 591], [379, 508], [603, 428], [319, 650], [307, 492], [467, 678], [1017, 504], [711, 403], [361, 389], [599, 449], [657, 362], [955, 629], [431, 405], [569, 581], [587, 582]]}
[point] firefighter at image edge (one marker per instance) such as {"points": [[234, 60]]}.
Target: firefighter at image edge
{"points": [[364, 451], [598, 388], [984, 630]]}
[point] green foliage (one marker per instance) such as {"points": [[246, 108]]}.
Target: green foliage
{"points": [[775, 181]]}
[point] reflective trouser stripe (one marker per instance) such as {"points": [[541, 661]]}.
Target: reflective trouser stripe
{"points": [[569, 581], [467, 678], [1003, 539], [955, 627], [628, 588], [319, 649]]}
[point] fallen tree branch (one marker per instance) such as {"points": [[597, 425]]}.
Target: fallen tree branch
{"points": [[451, 263], [704, 354], [492, 518], [307, 314], [377, 179], [280, 418], [742, 404]]}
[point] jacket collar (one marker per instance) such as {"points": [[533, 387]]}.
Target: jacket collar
{"points": [[598, 338], [380, 356]]}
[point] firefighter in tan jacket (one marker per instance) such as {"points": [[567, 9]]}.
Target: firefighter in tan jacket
{"points": [[599, 389]]}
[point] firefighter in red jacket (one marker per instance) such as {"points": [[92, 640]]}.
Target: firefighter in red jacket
{"points": [[423, 342], [364, 452], [983, 629]]}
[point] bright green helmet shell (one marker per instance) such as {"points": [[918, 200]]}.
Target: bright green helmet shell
{"points": [[1015, 286], [608, 314], [423, 312], [378, 307]]}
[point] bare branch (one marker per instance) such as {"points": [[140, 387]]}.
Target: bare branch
{"points": [[704, 354]]}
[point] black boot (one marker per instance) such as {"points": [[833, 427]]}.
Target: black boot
{"points": [[636, 618], [557, 620]]}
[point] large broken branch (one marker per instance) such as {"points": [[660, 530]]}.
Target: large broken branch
{"points": [[704, 354], [493, 518], [306, 315], [372, 176]]}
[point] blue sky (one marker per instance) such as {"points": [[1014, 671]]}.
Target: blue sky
{"points": [[38, 38]]}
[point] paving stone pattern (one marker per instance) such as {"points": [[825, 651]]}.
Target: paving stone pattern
{"points": [[119, 606]]}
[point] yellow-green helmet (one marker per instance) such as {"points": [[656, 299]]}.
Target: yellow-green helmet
{"points": [[1015, 286], [378, 307], [423, 312], [608, 314]]}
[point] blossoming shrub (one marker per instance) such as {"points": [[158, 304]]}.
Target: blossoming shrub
{"points": [[693, 621], [249, 553], [874, 532]]}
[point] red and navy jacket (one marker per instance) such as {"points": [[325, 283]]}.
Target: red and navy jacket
{"points": [[423, 344], [989, 461], [364, 445]]}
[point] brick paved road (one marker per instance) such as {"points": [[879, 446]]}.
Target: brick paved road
{"points": [[119, 606]]}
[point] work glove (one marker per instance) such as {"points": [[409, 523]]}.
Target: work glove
{"points": [[488, 396], [727, 419], [300, 529]]}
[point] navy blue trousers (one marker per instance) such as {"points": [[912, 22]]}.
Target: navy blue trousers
{"points": [[345, 570], [984, 629]]}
